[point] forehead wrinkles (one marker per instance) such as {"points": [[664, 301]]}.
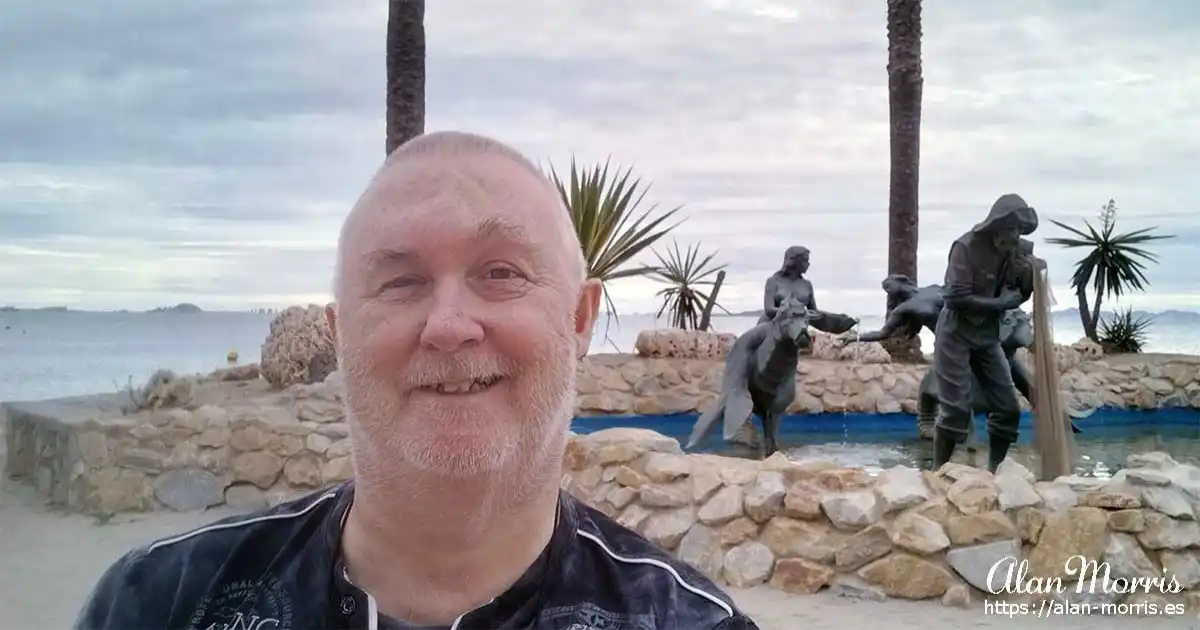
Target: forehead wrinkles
{"points": [[487, 196], [475, 185], [490, 182]]}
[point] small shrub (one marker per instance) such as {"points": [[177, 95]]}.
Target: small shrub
{"points": [[1113, 265], [689, 285], [612, 224], [1124, 333], [163, 390]]}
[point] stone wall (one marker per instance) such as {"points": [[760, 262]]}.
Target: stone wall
{"points": [[627, 384], [241, 442], [799, 527], [906, 533], [254, 450]]}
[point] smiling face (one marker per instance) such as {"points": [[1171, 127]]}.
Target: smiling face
{"points": [[461, 316]]}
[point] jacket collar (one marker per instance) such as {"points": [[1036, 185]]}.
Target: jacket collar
{"points": [[515, 608]]}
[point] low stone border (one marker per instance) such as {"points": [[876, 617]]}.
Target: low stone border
{"points": [[258, 451], [627, 384], [910, 534], [798, 527]]}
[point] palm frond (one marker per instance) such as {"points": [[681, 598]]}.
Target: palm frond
{"points": [[608, 218], [612, 225], [689, 280], [1114, 265]]}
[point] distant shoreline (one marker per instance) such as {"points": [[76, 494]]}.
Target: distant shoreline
{"points": [[1176, 316], [178, 309]]}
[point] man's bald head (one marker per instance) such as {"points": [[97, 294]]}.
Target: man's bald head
{"points": [[442, 163], [461, 313], [458, 144]]}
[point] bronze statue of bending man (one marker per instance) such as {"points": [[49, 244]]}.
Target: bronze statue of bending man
{"points": [[986, 275]]}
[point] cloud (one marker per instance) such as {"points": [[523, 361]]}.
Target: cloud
{"points": [[155, 152]]}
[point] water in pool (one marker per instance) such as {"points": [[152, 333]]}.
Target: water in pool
{"points": [[878, 441]]}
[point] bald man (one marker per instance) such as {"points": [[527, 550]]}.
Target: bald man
{"points": [[462, 309]]}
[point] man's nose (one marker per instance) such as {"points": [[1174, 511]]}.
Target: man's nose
{"points": [[451, 323]]}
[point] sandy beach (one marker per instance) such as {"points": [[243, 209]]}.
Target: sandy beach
{"points": [[50, 560]]}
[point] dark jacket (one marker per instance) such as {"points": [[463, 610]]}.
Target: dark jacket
{"points": [[280, 568]]}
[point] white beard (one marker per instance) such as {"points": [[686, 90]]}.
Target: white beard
{"points": [[529, 444]]}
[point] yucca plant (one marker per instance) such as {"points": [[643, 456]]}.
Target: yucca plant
{"points": [[1113, 266], [1122, 332], [689, 285], [610, 221]]}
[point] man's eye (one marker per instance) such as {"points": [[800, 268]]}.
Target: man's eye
{"points": [[502, 273], [402, 283]]}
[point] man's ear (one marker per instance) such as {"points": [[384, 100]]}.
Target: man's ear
{"points": [[331, 319], [586, 312]]}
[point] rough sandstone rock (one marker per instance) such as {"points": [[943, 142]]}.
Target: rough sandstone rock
{"points": [[701, 548], [972, 529], [869, 544], [800, 576], [1073, 533], [974, 495], [665, 343], [1015, 485], [724, 506], [975, 564], [827, 346], [299, 348], [748, 564], [788, 538], [764, 497], [1127, 559], [918, 534], [901, 487], [905, 575], [852, 510]]}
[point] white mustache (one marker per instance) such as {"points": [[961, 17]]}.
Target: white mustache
{"points": [[428, 372]]}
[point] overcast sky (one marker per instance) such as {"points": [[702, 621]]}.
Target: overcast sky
{"points": [[155, 152]]}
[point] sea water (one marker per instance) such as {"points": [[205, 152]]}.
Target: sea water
{"points": [[48, 354]]}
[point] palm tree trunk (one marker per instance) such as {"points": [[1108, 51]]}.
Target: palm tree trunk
{"points": [[706, 316], [1089, 316], [904, 113], [405, 71]]}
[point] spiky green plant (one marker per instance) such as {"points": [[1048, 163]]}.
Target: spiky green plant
{"points": [[1112, 267], [689, 285], [1122, 332], [612, 225]]}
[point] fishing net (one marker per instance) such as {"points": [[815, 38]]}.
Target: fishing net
{"points": [[1052, 430]]}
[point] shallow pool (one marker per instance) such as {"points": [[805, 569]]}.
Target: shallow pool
{"points": [[876, 441]]}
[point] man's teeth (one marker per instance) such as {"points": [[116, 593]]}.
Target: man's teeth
{"points": [[464, 387]]}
